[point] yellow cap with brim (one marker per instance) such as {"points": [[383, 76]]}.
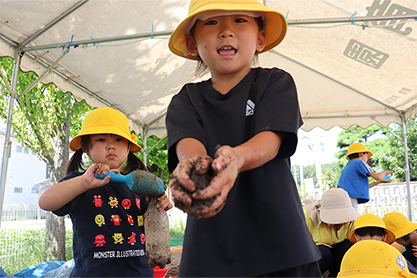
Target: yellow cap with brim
{"points": [[275, 25], [399, 224], [371, 220], [357, 148], [373, 258], [105, 120]]}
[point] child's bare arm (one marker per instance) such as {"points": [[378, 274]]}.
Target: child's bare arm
{"points": [[59, 194], [380, 178], [380, 175]]}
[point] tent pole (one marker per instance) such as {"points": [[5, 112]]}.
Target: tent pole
{"points": [[39, 79], [156, 144], [145, 152], [406, 166], [7, 142]]}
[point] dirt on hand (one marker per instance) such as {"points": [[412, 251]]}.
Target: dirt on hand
{"points": [[174, 266], [201, 182]]}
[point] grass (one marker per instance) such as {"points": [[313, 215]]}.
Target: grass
{"points": [[24, 248], [177, 228]]}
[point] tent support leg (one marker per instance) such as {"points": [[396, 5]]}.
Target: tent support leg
{"points": [[145, 151], [406, 167], [7, 142]]}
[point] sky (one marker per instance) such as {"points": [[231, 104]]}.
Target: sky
{"points": [[320, 140]]}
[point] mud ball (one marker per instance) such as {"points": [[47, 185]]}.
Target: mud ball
{"points": [[201, 182]]}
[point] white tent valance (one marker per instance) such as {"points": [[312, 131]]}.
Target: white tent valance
{"points": [[346, 73]]}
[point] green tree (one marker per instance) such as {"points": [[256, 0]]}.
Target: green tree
{"points": [[394, 158], [43, 120], [331, 174], [354, 134], [157, 155]]}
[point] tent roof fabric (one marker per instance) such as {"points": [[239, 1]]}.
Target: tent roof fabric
{"points": [[116, 54]]}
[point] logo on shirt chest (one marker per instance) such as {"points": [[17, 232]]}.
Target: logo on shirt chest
{"points": [[250, 108]]}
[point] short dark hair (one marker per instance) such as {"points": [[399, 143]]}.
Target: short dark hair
{"points": [[370, 231], [353, 155], [76, 162], [406, 238]]}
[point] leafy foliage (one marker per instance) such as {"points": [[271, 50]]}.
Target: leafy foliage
{"points": [[386, 145], [394, 158], [40, 116], [156, 157]]}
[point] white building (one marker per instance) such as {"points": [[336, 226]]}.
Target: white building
{"points": [[23, 171]]}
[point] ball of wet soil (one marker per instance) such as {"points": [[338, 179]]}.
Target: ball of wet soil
{"points": [[201, 181]]}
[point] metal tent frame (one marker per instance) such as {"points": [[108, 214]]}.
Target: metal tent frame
{"points": [[25, 49]]}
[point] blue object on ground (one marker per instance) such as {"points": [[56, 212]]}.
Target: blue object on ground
{"points": [[55, 269], [3, 274]]}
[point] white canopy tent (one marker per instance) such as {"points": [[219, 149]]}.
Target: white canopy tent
{"points": [[354, 62]]}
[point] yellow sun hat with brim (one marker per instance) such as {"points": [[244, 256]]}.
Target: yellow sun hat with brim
{"points": [[369, 221], [399, 224], [275, 25], [105, 120], [357, 148], [373, 258]]}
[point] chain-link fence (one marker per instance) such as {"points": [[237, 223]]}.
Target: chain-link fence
{"points": [[22, 237]]}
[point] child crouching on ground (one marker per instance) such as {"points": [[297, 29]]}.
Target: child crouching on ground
{"points": [[371, 227]]}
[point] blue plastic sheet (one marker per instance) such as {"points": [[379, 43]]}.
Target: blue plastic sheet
{"points": [[55, 269]]}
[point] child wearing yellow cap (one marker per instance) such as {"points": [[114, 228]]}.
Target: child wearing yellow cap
{"points": [[107, 217], [405, 232], [354, 177], [372, 258], [243, 122], [371, 227]]}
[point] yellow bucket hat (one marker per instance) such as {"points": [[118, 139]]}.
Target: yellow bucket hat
{"points": [[275, 29], [399, 224], [357, 148], [105, 120], [371, 220], [373, 258]]}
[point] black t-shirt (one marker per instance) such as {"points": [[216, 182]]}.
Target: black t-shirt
{"points": [[408, 254], [261, 229], [108, 232]]}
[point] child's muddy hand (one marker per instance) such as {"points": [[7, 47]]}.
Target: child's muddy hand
{"points": [[202, 165], [101, 168], [214, 209], [182, 173], [164, 203], [179, 195], [91, 181], [225, 164]]}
